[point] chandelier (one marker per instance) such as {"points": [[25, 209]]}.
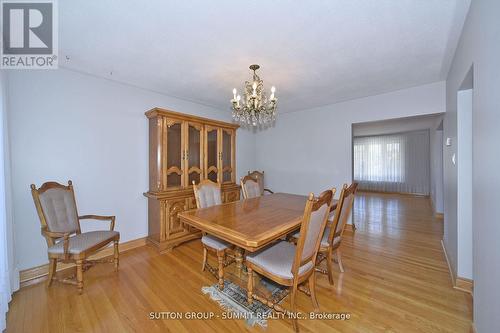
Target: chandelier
{"points": [[255, 109]]}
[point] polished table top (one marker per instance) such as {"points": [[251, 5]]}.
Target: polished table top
{"points": [[251, 223]]}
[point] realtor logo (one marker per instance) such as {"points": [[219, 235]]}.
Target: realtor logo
{"points": [[29, 35]]}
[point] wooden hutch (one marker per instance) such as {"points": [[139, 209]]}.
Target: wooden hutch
{"points": [[183, 148]]}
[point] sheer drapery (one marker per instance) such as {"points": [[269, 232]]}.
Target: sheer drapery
{"points": [[9, 276], [393, 162]]}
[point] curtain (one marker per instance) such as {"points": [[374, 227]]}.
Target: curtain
{"points": [[393, 163], [9, 276]]}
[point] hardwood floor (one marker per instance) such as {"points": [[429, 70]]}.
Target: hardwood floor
{"points": [[396, 280]]}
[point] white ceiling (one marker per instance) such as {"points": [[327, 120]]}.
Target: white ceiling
{"points": [[314, 52]]}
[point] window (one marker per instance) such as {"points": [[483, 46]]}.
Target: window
{"points": [[393, 162], [379, 159]]}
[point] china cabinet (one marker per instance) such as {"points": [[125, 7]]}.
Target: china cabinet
{"points": [[182, 149]]}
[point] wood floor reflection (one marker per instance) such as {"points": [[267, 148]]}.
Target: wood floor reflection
{"points": [[396, 280]]}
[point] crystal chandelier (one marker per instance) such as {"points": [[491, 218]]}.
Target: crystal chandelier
{"points": [[255, 109]]}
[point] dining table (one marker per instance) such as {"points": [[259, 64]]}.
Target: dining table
{"points": [[250, 224]]}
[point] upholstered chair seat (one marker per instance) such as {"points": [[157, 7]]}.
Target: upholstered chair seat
{"points": [[83, 242], [56, 207], [278, 260], [215, 243]]}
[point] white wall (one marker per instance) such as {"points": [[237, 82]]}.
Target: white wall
{"points": [[464, 183], [479, 46], [311, 150], [436, 138], [66, 125]]}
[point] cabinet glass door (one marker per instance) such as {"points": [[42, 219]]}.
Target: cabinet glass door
{"points": [[227, 155], [194, 153], [212, 153], [173, 154]]}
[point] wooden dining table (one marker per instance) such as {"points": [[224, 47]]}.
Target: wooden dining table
{"points": [[250, 224]]}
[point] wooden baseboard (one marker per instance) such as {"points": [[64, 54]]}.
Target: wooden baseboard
{"points": [[464, 284], [459, 283], [439, 216], [449, 265], [399, 193], [37, 274]]}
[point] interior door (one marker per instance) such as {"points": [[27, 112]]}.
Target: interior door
{"points": [[227, 155], [173, 154], [193, 152], [212, 153]]}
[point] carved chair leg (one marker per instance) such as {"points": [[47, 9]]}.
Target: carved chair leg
{"points": [[79, 275], [312, 289], [52, 271], [220, 258], [116, 256], [250, 285], [339, 259], [329, 265], [204, 264], [294, 308]]}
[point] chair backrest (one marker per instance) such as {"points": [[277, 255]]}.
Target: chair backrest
{"points": [[342, 212], [311, 229], [259, 178], [207, 193], [56, 207], [250, 187]]}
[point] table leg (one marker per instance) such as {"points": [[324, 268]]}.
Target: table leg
{"points": [[238, 257]]}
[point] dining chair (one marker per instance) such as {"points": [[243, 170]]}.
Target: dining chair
{"points": [[250, 187], [293, 264], [259, 178], [208, 193], [332, 237], [56, 207]]}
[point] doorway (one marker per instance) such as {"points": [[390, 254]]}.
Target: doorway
{"points": [[464, 179]]}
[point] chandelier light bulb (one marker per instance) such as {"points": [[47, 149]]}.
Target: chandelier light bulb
{"points": [[273, 89], [234, 93]]}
